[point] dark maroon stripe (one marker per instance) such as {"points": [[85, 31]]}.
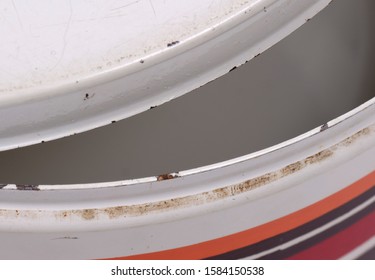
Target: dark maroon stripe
{"points": [[304, 245], [341, 243], [369, 255], [294, 233]]}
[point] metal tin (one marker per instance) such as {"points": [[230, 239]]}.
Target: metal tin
{"points": [[308, 197]]}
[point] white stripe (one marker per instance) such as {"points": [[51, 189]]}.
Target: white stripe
{"points": [[315, 231], [360, 250]]}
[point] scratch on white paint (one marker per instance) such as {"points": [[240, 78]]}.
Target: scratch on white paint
{"points": [[64, 36]]}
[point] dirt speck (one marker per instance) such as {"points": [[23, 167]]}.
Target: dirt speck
{"points": [[234, 68], [27, 187], [324, 127], [173, 43], [66, 238]]}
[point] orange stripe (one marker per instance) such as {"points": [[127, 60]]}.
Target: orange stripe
{"points": [[262, 232]]}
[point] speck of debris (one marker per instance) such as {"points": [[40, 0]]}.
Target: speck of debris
{"points": [[308, 19], [234, 68], [153, 107], [166, 177], [324, 127], [66, 237], [113, 121], [43, 142], [27, 187], [265, 9], [87, 96], [257, 55], [173, 43], [142, 61]]}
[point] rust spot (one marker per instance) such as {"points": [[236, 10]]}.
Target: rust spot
{"points": [[173, 43], [88, 214], [27, 187], [165, 177], [292, 168], [322, 155]]}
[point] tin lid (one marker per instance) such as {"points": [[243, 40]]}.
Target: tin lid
{"points": [[70, 66]]}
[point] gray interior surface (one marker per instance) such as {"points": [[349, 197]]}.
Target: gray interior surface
{"points": [[321, 71]]}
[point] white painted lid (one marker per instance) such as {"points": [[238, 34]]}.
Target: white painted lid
{"points": [[70, 66]]}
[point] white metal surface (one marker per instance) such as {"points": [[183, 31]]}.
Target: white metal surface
{"points": [[72, 66]]}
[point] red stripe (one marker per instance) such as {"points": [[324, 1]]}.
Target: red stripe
{"points": [[342, 243]]}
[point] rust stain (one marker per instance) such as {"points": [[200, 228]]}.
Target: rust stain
{"points": [[166, 177], [319, 157], [199, 199], [350, 140]]}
